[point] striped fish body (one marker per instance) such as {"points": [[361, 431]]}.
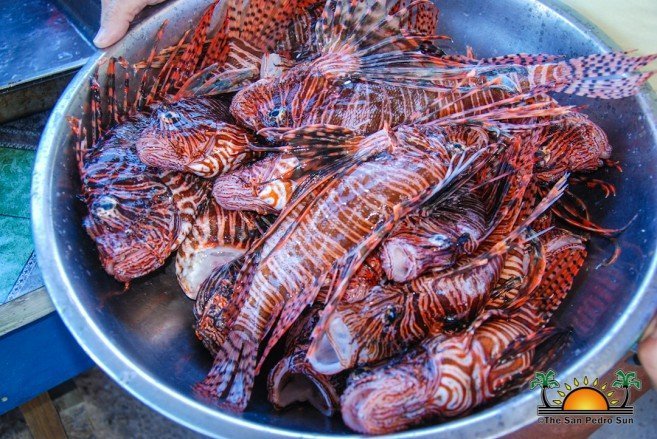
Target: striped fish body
{"points": [[290, 271], [393, 317], [304, 96], [433, 238], [218, 238], [137, 214], [356, 204], [264, 187], [195, 135]]}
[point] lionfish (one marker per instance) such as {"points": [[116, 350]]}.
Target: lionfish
{"points": [[448, 376], [137, 214]]}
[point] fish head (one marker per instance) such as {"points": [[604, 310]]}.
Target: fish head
{"points": [[360, 331], [268, 103], [407, 256], [131, 215], [261, 105], [576, 144], [178, 133], [392, 396]]}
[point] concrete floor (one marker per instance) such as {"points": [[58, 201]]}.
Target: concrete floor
{"points": [[96, 407]]}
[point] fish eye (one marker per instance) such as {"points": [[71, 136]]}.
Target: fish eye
{"points": [[429, 48], [170, 117], [104, 206], [390, 315], [278, 116]]}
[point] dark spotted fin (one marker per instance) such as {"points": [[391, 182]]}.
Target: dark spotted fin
{"points": [[543, 346]]}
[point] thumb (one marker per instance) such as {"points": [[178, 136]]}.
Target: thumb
{"points": [[648, 351], [115, 18]]}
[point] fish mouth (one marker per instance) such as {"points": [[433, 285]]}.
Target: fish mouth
{"points": [[159, 152], [398, 260], [334, 350], [199, 265], [126, 260], [293, 381], [404, 261]]}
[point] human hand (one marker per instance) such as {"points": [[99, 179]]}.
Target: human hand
{"points": [[115, 18], [648, 351]]}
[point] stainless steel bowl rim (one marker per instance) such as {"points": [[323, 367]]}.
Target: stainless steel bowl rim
{"points": [[498, 420]]}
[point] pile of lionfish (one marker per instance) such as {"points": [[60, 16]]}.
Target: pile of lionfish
{"points": [[393, 218]]}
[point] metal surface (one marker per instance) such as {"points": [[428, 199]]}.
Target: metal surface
{"points": [[144, 340], [43, 44]]}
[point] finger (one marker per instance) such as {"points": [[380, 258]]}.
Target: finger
{"points": [[648, 352], [115, 19]]}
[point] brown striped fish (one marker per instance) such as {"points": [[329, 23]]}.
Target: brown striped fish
{"points": [[137, 215], [392, 317], [433, 238], [367, 73], [196, 136], [191, 132]]}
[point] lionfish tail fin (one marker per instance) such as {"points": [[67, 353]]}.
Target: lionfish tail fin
{"points": [[603, 76], [230, 380]]}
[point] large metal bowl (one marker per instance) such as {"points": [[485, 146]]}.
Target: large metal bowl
{"points": [[144, 338]]}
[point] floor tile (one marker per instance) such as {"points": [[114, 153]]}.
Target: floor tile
{"points": [[15, 250], [29, 280], [15, 177]]}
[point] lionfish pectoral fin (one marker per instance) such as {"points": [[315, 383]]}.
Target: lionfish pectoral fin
{"points": [[546, 344], [329, 148], [422, 18], [230, 380]]}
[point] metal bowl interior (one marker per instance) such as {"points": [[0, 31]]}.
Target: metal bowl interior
{"points": [[144, 338]]}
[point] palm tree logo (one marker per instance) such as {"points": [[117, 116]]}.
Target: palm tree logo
{"points": [[583, 397], [546, 380], [626, 381]]}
